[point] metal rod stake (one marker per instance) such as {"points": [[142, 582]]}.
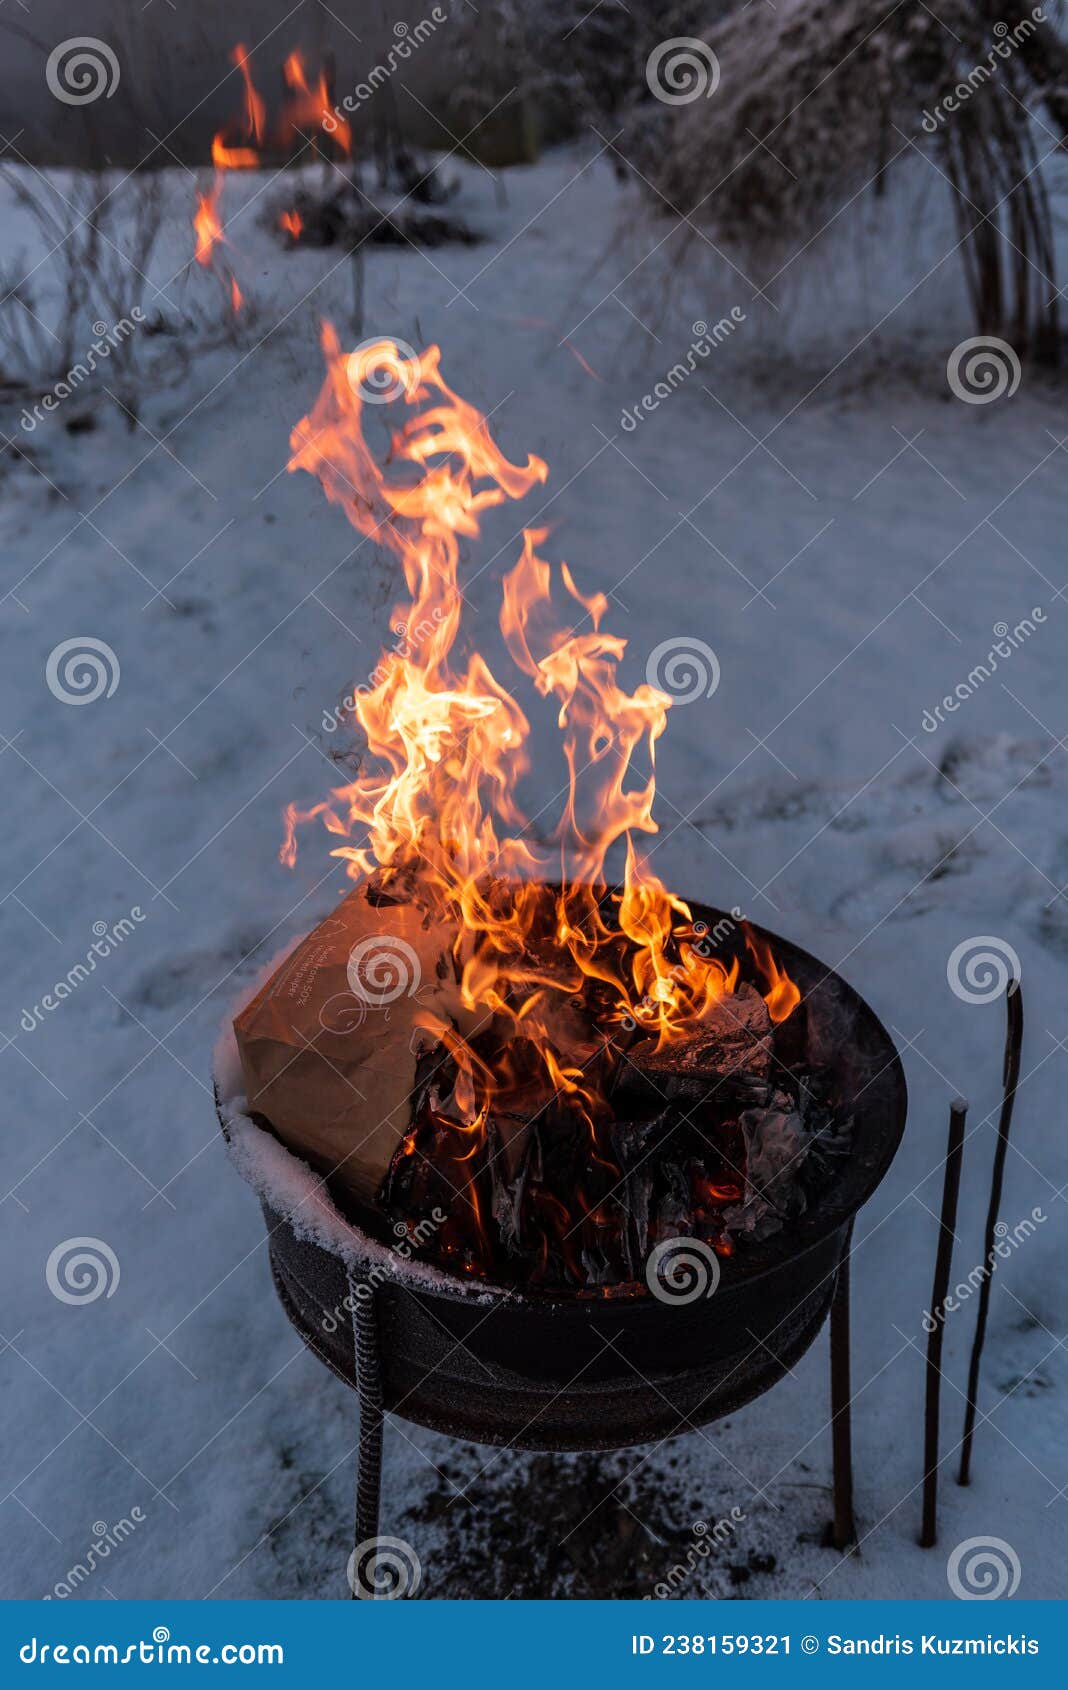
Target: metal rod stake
{"points": [[943, 1263], [1010, 1080]]}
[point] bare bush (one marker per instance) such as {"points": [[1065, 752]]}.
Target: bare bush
{"points": [[98, 230]]}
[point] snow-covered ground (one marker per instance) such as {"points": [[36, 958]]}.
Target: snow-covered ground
{"points": [[846, 547]]}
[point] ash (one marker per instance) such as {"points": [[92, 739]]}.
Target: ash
{"points": [[614, 1531]]}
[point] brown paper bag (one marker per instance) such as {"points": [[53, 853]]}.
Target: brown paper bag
{"points": [[329, 1045]]}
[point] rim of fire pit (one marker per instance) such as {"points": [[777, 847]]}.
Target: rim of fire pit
{"points": [[880, 1110]]}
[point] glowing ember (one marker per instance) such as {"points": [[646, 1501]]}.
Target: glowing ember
{"points": [[291, 223]]}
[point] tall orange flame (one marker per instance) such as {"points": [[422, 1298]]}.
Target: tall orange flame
{"points": [[435, 809]]}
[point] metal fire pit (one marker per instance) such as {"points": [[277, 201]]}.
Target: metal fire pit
{"points": [[556, 1375], [576, 1372]]}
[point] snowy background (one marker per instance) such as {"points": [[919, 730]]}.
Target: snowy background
{"points": [[817, 507]]}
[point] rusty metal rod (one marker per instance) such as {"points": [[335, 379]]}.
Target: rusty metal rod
{"points": [[1010, 1079], [844, 1531], [943, 1262]]}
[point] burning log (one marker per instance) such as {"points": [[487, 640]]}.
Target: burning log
{"points": [[774, 1149], [732, 1045]]}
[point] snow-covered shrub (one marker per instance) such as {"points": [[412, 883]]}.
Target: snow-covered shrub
{"points": [[817, 101]]}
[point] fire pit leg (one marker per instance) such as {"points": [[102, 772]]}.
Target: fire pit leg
{"points": [[369, 1460], [843, 1531]]}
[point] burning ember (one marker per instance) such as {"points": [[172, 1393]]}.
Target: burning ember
{"points": [[570, 1073]]}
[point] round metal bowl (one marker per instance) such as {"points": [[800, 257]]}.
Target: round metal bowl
{"points": [[581, 1372]]}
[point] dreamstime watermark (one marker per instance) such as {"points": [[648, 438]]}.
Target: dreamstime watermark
{"points": [[105, 1539], [383, 968], [410, 1237], [1008, 640], [682, 70], [107, 940], [380, 371], [982, 968], [705, 1539], [982, 1569], [155, 1651], [106, 342], [682, 1270], [381, 1569], [1008, 39], [408, 642], [983, 369], [81, 670], [1008, 1240], [703, 344], [406, 39], [81, 69], [683, 667], [81, 1270], [710, 938], [380, 970]]}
